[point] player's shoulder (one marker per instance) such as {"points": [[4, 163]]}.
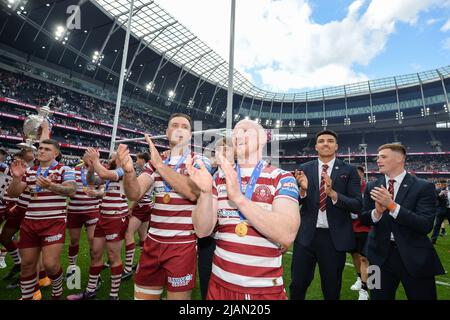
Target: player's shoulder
{"points": [[276, 172]]}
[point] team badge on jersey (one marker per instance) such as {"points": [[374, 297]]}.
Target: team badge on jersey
{"points": [[262, 193]]}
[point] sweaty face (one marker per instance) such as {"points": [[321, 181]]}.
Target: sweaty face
{"points": [[388, 161], [46, 152], [179, 131], [326, 145]]}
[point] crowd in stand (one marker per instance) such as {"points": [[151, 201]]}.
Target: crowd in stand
{"points": [[37, 93]]}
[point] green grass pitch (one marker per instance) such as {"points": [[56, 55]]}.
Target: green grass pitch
{"points": [[314, 292]]}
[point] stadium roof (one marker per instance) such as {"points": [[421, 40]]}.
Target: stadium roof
{"points": [[167, 36], [162, 51]]}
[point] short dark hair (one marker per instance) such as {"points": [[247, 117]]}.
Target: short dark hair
{"points": [[182, 115], [442, 181], [144, 155], [394, 147], [326, 131], [3, 152], [361, 168], [53, 143]]}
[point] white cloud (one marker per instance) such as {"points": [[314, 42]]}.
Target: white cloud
{"points": [[280, 42], [446, 26]]}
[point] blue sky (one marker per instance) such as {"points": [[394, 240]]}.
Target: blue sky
{"points": [[298, 45]]}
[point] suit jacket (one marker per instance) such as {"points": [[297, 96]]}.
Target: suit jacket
{"points": [[417, 200], [347, 184]]}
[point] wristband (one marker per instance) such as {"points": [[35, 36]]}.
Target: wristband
{"points": [[391, 207]]}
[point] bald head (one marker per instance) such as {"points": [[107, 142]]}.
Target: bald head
{"points": [[248, 140]]}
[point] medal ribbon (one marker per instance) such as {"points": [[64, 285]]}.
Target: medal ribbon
{"points": [[251, 184], [177, 166], [83, 177], [38, 173]]}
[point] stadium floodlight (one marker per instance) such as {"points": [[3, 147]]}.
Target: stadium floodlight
{"points": [[372, 119], [399, 117], [347, 121], [247, 118], [223, 115], [324, 122], [446, 109], [306, 123], [236, 117], [97, 57], [292, 124], [171, 95], [208, 108], [190, 103], [59, 32]]}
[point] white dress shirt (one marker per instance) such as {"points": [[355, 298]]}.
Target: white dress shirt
{"points": [[322, 221], [398, 182]]}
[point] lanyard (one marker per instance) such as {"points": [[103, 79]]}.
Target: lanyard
{"points": [[83, 177], [177, 166], [252, 183], [38, 173]]}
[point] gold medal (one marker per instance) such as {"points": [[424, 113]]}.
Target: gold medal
{"points": [[85, 189], [166, 198], [241, 229]]}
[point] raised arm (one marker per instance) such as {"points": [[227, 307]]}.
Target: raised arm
{"points": [[135, 187], [282, 222], [105, 174], [17, 186], [180, 183], [204, 216]]}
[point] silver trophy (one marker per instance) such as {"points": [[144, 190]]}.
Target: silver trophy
{"points": [[32, 124]]}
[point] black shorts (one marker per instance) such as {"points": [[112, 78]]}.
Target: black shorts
{"points": [[360, 239]]}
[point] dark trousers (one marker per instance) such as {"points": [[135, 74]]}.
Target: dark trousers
{"points": [[206, 247], [393, 272], [442, 213], [331, 263]]}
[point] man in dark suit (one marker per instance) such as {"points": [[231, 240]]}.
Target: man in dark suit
{"points": [[442, 208], [401, 208], [330, 191]]}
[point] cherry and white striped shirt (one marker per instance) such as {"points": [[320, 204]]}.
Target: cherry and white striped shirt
{"points": [[250, 263], [46, 204], [114, 201], [172, 222], [147, 200], [81, 202]]}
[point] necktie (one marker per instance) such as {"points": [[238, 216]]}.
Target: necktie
{"points": [[323, 196], [391, 188]]}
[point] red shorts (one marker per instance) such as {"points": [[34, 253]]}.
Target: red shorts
{"points": [[218, 292], [171, 265], [77, 220], [41, 233], [112, 228], [15, 217], [142, 213]]}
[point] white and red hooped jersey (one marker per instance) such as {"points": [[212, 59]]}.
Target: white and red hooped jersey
{"points": [[46, 204], [81, 202], [172, 222], [114, 201], [147, 200], [5, 178], [252, 262]]}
